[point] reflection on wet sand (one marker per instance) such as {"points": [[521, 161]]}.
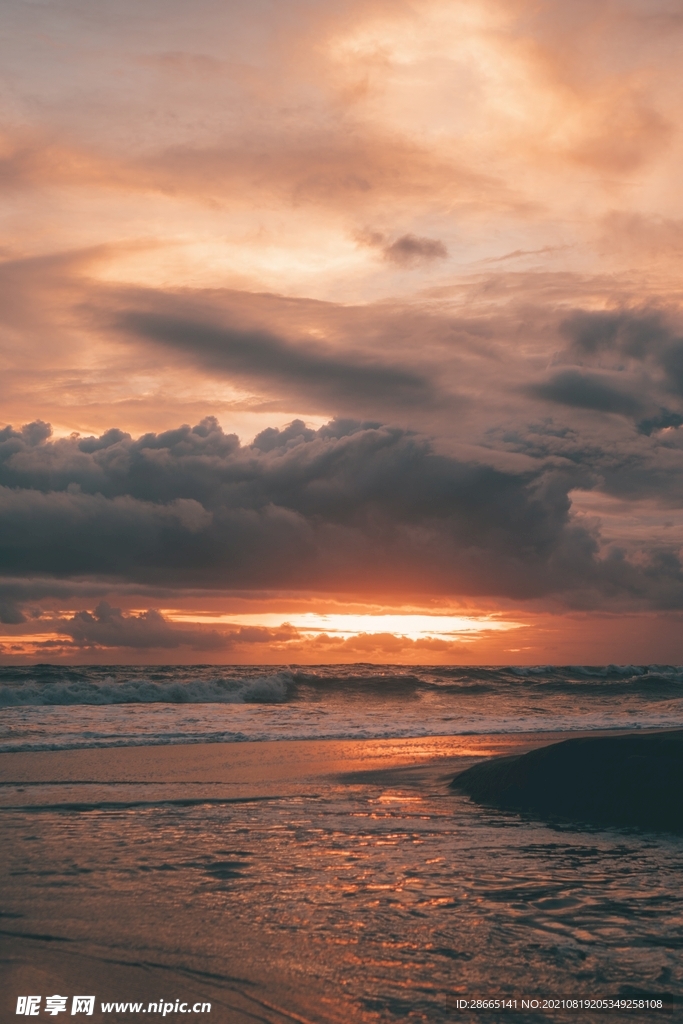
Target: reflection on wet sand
{"points": [[359, 889]]}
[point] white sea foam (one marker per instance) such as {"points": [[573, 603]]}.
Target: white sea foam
{"points": [[150, 725], [86, 688]]}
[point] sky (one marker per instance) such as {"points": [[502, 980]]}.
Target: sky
{"points": [[337, 331]]}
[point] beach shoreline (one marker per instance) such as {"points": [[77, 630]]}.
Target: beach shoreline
{"points": [[259, 763], [223, 872], [256, 766]]}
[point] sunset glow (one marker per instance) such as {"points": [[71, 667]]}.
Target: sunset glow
{"points": [[341, 509], [414, 627], [350, 331]]}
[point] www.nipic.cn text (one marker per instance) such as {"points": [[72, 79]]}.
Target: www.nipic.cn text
{"points": [[32, 1006]]}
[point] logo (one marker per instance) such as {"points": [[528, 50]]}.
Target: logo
{"points": [[29, 1006]]}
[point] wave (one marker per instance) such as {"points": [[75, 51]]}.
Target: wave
{"points": [[74, 687], [53, 685], [256, 732], [651, 680]]}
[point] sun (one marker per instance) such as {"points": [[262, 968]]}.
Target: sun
{"points": [[348, 625]]}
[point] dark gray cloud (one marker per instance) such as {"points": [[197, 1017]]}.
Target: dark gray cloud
{"points": [[672, 363], [351, 507], [409, 250], [106, 626], [10, 613], [110, 627], [585, 390], [629, 461], [644, 337], [626, 363], [406, 251], [630, 333], [257, 355], [660, 421], [348, 505]]}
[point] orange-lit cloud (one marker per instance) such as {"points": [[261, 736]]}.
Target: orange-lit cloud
{"points": [[376, 303]]}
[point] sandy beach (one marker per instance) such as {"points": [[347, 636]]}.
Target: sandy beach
{"points": [[247, 768], [98, 784], [125, 868], [122, 780]]}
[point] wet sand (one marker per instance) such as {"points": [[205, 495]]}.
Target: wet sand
{"points": [[47, 959], [204, 772], [43, 953]]}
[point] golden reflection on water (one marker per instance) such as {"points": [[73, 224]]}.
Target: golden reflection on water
{"points": [[386, 895]]}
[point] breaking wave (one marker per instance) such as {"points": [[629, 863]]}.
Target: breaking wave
{"points": [[49, 707], [47, 685], [54, 685]]}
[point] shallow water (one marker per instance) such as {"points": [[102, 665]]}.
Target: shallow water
{"points": [[372, 897], [380, 896]]}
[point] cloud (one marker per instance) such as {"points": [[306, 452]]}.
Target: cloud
{"points": [[261, 356], [331, 168], [661, 421], [184, 197], [406, 251], [587, 391], [642, 337], [351, 507], [358, 170], [633, 334], [409, 250], [10, 613], [110, 627], [672, 363]]}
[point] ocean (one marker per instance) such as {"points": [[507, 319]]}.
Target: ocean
{"points": [[282, 842], [49, 707]]}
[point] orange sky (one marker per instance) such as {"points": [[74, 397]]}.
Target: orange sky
{"points": [[441, 239]]}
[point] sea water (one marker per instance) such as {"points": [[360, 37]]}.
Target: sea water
{"points": [[53, 707], [384, 896]]}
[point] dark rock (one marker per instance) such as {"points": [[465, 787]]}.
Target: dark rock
{"points": [[634, 780]]}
